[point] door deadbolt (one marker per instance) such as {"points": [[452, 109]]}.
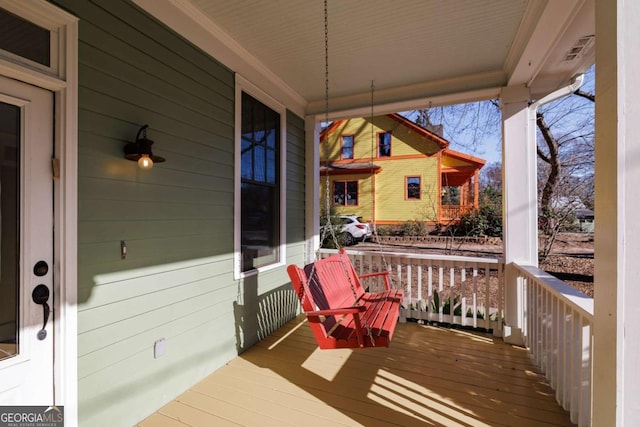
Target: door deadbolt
{"points": [[41, 268]]}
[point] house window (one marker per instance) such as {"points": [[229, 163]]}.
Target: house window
{"points": [[384, 144], [345, 193], [347, 147], [260, 184], [412, 187]]}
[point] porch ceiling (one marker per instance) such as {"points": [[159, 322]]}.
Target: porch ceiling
{"points": [[415, 51]]}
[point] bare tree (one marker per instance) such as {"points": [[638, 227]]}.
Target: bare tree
{"points": [[565, 167], [564, 149]]}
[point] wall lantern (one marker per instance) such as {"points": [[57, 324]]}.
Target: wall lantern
{"points": [[140, 151]]}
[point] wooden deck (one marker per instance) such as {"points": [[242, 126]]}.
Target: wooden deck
{"points": [[429, 376]]}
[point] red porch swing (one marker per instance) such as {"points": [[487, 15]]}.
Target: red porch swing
{"points": [[339, 311]]}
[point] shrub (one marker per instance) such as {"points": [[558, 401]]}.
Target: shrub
{"points": [[486, 221], [384, 230], [414, 228]]}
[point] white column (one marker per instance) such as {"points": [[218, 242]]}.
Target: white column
{"points": [[616, 370], [519, 194], [312, 186]]}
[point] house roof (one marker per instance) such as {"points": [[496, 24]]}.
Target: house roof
{"points": [[460, 173], [465, 157], [443, 143], [348, 168], [428, 52]]}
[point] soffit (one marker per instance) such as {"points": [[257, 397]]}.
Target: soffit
{"points": [[410, 49]]}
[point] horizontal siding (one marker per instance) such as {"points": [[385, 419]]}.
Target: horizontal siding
{"points": [[404, 141], [295, 189], [390, 186], [177, 220], [134, 73]]}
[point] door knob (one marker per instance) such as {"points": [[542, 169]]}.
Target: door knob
{"points": [[40, 296]]}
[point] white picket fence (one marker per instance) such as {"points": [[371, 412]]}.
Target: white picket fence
{"points": [[558, 331], [464, 291]]}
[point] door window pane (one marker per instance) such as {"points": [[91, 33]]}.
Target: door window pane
{"points": [[9, 226]]}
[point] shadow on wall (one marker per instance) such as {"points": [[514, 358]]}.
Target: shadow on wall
{"points": [[258, 316]]}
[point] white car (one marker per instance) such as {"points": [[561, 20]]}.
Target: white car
{"points": [[352, 230]]}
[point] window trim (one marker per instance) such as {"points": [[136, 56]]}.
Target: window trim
{"points": [[406, 187], [390, 144], [243, 85], [353, 145]]}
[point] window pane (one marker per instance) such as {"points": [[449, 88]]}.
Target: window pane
{"points": [[24, 39], [260, 229], [347, 147], [352, 193], [384, 144], [272, 126], [271, 166], [260, 163], [339, 195], [246, 159], [413, 187], [9, 226]]}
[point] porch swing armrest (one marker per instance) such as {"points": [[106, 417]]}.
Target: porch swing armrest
{"points": [[385, 277], [336, 311]]}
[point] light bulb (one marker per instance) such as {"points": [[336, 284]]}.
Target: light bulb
{"points": [[145, 162]]}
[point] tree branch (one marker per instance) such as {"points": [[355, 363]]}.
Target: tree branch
{"points": [[590, 96]]}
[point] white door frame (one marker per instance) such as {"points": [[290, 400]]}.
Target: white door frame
{"points": [[62, 79]]}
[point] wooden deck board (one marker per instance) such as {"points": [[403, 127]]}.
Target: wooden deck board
{"points": [[429, 376]]}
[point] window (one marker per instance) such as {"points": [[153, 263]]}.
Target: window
{"points": [[259, 184], [412, 187], [24, 38], [384, 144], [345, 193], [347, 147]]}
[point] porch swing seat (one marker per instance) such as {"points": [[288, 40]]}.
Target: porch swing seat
{"points": [[340, 312]]}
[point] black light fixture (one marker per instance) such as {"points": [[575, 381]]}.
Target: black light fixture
{"points": [[140, 151]]}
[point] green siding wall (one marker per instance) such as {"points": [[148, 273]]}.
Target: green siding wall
{"points": [[177, 219]]}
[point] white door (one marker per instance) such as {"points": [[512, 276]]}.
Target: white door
{"points": [[26, 253]]}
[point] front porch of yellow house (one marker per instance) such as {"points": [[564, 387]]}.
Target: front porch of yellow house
{"points": [[429, 376]]}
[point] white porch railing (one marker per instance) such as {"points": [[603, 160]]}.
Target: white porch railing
{"points": [[465, 291], [558, 329]]}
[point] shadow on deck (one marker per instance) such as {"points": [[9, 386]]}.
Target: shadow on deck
{"points": [[429, 376]]}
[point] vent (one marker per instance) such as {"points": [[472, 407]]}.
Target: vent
{"points": [[582, 45]]}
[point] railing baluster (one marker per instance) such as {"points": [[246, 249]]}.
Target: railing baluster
{"points": [[558, 327], [464, 285]]}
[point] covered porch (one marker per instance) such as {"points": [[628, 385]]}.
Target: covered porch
{"points": [[536, 65], [429, 376]]}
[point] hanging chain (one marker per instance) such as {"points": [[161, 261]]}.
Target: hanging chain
{"points": [[328, 229], [375, 227]]}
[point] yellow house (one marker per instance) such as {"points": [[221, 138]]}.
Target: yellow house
{"points": [[389, 170]]}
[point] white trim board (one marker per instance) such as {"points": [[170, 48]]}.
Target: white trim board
{"points": [[63, 82]]}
